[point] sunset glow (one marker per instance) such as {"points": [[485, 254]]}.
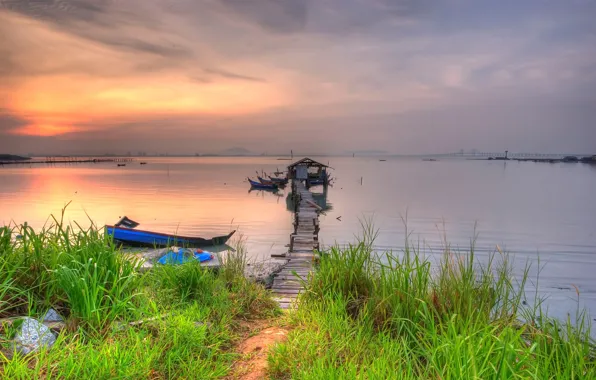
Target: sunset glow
{"points": [[44, 129], [383, 75], [71, 103]]}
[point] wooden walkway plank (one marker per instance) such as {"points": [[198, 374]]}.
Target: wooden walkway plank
{"points": [[289, 282]]}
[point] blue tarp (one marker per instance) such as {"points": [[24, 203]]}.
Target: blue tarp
{"points": [[183, 256]]}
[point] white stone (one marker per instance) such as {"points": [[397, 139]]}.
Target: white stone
{"points": [[52, 316], [32, 336]]}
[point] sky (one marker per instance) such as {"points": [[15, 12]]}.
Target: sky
{"points": [[320, 76]]}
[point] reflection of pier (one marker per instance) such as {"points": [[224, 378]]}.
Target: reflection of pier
{"points": [[289, 282]]}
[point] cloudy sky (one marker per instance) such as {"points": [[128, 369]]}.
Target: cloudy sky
{"points": [[404, 76]]}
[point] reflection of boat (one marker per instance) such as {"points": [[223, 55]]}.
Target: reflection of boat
{"points": [[260, 186], [263, 191], [134, 237]]}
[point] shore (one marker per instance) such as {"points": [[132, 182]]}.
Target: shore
{"points": [[360, 316]]}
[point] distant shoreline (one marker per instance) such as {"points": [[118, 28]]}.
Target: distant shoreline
{"points": [[485, 156], [12, 157]]}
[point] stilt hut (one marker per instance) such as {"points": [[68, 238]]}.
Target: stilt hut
{"points": [[309, 171]]}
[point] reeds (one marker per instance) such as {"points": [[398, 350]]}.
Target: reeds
{"points": [[77, 271], [368, 315], [172, 322]]}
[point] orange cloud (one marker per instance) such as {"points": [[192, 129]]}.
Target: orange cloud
{"points": [[66, 102], [68, 81], [44, 129]]}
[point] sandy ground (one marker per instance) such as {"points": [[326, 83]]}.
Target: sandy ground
{"points": [[254, 348]]}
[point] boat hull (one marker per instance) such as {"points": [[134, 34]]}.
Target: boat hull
{"points": [[263, 181], [279, 181], [155, 239], [260, 186]]}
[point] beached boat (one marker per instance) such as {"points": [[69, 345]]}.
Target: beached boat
{"points": [[261, 186], [124, 231]]}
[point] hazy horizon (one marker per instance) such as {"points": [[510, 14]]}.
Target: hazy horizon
{"points": [[328, 76]]}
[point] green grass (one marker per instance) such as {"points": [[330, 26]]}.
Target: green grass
{"points": [[367, 316], [190, 314], [363, 316]]}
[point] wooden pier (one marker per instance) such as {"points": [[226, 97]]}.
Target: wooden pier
{"points": [[67, 160], [289, 282]]}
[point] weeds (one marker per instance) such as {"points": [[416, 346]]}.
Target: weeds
{"points": [[187, 313], [365, 315]]}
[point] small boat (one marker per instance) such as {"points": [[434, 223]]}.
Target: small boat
{"points": [[131, 236], [382, 160], [261, 186], [432, 159], [181, 256], [264, 181], [279, 181], [121, 164], [143, 163]]}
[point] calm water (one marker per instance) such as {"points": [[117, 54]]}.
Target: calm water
{"points": [[529, 209]]}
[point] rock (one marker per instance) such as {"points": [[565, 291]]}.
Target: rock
{"points": [[52, 316], [263, 272], [32, 336]]}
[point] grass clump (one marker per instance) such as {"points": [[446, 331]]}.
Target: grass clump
{"points": [[77, 271], [172, 322], [368, 316]]}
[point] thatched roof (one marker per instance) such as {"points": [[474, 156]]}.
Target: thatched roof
{"points": [[308, 162]]}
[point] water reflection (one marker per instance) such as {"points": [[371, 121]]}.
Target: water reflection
{"points": [[178, 196], [528, 209]]}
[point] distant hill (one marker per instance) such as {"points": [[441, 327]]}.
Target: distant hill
{"points": [[12, 157], [236, 151]]}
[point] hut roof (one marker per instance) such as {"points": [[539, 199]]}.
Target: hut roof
{"points": [[307, 161]]}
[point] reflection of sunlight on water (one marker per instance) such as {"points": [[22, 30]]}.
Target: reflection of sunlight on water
{"points": [[183, 200]]}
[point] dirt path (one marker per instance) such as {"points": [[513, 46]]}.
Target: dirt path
{"points": [[254, 348]]}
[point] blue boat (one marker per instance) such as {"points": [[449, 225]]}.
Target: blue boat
{"points": [[264, 181], [260, 186], [182, 256], [134, 237], [279, 181]]}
